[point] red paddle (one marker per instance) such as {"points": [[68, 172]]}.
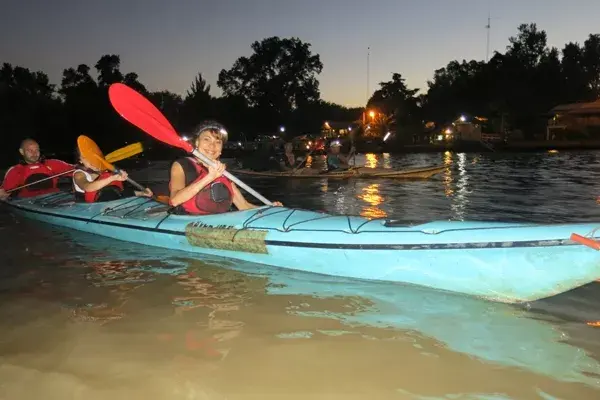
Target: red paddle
{"points": [[139, 111]]}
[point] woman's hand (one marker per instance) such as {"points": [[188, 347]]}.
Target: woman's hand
{"points": [[277, 204], [121, 176], [147, 193], [216, 171]]}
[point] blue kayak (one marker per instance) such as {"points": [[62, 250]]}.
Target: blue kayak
{"points": [[506, 262]]}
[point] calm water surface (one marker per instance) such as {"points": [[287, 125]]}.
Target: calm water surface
{"points": [[84, 317]]}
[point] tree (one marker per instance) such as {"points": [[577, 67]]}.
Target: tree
{"points": [[397, 103], [77, 80], [573, 74], [591, 64], [198, 103], [87, 107], [278, 78], [459, 87], [28, 106], [517, 87], [108, 69], [379, 126], [529, 46], [170, 104], [131, 80]]}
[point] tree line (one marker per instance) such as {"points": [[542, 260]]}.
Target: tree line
{"points": [[277, 85], [515, 90]]}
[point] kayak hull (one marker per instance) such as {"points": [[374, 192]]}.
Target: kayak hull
{"points": [[506, 262], [359, 172]]}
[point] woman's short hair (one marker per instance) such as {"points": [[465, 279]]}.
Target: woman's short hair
{"points": [[214, 127]]}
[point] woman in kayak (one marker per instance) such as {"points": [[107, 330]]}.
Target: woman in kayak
{"points": [[287, 160], [92, 185], [336, 160], [198, 189]]}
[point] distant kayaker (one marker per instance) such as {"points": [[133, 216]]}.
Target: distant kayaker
{"points": [[32, 168], [92, 185], [287, 160], [335, 160], [198, 189]]}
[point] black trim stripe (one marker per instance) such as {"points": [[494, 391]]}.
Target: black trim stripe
{"points": [[338, 246]]}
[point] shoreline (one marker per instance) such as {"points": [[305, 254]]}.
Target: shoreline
{"points": [[525, 146]]}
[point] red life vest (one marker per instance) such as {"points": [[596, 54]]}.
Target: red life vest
{"points": [[112, 191], [23, 174], [214, 198]]}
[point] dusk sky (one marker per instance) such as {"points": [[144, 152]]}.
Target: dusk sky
{"points": [[168, 42]]}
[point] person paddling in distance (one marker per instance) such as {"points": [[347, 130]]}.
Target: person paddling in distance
{"points": [[198, 189], [92, 185], [33, 167], [336, 160], [287, 160]]}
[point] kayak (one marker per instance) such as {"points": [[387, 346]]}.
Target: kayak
{"points": [[498, 261], [354, 172]]}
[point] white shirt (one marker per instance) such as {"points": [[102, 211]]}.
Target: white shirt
{"points": [[88, 177]]}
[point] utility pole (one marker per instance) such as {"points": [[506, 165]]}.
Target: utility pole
{"points": [[487, 49], [368, 70]]}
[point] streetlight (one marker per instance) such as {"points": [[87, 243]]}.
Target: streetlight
{"points": [[282, 129]]}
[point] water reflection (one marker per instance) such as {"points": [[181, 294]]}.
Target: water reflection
{"points": [[460, 199], [387, 160], [371, 195], [456, 188], [448, 190], [370, 160], [494, 332]]}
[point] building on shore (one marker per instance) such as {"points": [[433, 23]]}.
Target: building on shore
{"points": [[331, 129], [568, 121], [466, 129]]}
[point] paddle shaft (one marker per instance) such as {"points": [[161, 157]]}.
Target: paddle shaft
{"points": [[41, 180], [160, 199], [241, 184], [134, 183], [303, 161], [137, 185]]}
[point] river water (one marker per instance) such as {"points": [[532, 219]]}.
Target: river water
{"points": [[84, 317]]}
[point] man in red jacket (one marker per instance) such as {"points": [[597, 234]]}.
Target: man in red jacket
{"points": [[31, 169]]}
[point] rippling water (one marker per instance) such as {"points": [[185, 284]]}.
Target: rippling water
{"points": [[88, 317]]}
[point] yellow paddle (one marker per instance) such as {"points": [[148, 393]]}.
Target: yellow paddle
{"points": [[92, 153], [117, 155], [125, 152]]}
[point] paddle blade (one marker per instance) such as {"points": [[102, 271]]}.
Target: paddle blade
{"points": [[92, 153], [125, 152], [591, 243], [139, 111], [162, 198]]}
